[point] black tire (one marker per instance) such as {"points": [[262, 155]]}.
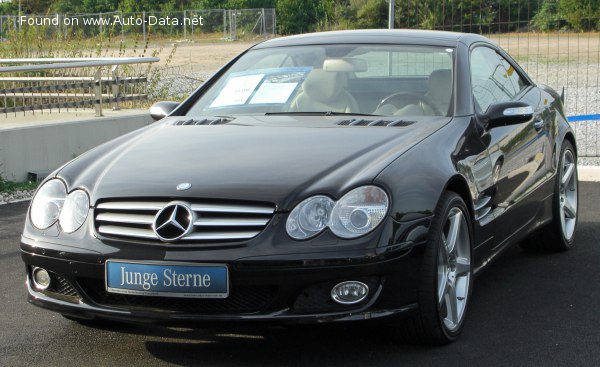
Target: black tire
{"points": [[551, 237], [427, 326]]}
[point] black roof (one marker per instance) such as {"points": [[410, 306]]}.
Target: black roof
{"points": [[391, 36]]}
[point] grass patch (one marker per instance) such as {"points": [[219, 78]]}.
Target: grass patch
{"points": [[9, 186]]}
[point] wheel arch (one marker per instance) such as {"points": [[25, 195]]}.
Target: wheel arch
{"points": [[458, 184], [571, 138]]}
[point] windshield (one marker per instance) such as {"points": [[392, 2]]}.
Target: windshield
{"points": [[334, 79]]}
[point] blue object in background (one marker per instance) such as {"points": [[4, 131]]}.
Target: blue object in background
{"points": [[583, 118]]}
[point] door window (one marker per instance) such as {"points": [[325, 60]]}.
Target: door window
{"points": [[493, 79]]}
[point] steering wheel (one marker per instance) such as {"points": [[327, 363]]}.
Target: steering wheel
{"points": [[402, 99]]}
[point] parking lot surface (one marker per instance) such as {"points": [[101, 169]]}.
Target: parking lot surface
{"points": [[527, 309]]}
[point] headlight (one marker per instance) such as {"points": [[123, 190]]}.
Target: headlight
{"points": [[74, 211], [355, 214], [47, 204], [309, 217], [51, 204], [359, 212]]}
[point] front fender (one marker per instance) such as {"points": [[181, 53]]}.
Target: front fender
{"points": [[417, 179]]}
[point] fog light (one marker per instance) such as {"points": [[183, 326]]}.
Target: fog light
{"points": [[41, 278], [348, 293]]}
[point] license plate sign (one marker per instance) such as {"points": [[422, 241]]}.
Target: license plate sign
{"points": [[167, 279]]}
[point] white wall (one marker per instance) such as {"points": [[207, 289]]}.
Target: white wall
{"points": [[48, 146]]}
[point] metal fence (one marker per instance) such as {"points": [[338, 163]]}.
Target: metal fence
{"points": [[548, 48], [73, 88], [213, 24]]}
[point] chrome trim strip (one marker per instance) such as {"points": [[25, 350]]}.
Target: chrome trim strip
{"points": [[125, 218], [149, 234], [220, 235], [224, 208], [486, 211], [483, 201], [226, 222], [128, 232], [132, 205]]}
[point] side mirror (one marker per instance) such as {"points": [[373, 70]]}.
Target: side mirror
{"points": [[162, 109], [507, 113]]}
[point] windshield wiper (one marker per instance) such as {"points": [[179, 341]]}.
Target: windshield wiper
{"points": [[320, 113]]}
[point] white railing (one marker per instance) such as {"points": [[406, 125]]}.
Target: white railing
{"points": [[23, 92]]}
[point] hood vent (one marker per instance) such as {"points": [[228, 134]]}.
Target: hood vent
{"points": [[205, 121], [379, 122]]}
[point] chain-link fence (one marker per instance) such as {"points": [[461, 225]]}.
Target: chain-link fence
{"points": [[557, 50], [215, 24], [554, 50]]}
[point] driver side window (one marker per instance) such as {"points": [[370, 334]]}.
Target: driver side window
{"points": [[490, 80]]}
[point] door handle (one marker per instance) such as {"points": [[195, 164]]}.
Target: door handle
{"points": [[538, 122]]}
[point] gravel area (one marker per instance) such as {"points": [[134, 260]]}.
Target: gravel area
{"points": [[12, 197]]}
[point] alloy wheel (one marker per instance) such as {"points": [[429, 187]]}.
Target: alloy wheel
{"points": [[568, 194], [454, 269]]}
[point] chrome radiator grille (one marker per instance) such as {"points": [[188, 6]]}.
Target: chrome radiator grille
{"points": [[213, 221]]}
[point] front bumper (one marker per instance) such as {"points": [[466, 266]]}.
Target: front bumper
{"points": [[273, 292], [271, 280]]}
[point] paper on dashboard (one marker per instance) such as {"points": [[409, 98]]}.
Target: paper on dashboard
{"points": [[273, 92], [237, 90]]}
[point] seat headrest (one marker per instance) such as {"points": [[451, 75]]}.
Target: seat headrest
{"points": [[440, 84], [323, 85]]}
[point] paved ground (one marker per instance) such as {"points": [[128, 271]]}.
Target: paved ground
{"points": [[527, 310]]}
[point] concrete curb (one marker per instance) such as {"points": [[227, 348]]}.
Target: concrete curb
{"points": [[14, 201], [589, 173]]}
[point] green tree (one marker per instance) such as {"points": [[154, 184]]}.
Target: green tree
{"points": [[298, 16], [372, 14], [582, 15], [547, 17]]}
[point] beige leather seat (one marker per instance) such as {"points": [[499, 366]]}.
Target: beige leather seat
{"points": [[324, 91], [440, 89]]}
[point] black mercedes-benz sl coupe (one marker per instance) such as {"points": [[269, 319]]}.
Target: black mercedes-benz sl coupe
{"points": [[323, 177]]}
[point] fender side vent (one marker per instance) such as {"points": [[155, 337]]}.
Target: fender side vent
{"points": [[379, 122], [205, 121]]}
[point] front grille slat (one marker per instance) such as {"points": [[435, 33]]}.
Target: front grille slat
{"points": [[132, 205], [213, 221], [220, 236], [218, 208], [127, 232], [125, 218], [226, 222]]}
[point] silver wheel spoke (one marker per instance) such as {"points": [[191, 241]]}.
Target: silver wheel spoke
{"points": [[453, 232], [442, 287], [451, 305], [568, 173], [569, 210], [463, 266]]}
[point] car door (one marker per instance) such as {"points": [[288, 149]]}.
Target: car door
{"points": [[517, 152]]}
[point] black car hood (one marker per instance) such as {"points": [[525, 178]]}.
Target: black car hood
{"points": [[276, 159]]}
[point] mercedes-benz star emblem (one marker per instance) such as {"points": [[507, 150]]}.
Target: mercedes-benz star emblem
{"points": [[173, 222]]}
